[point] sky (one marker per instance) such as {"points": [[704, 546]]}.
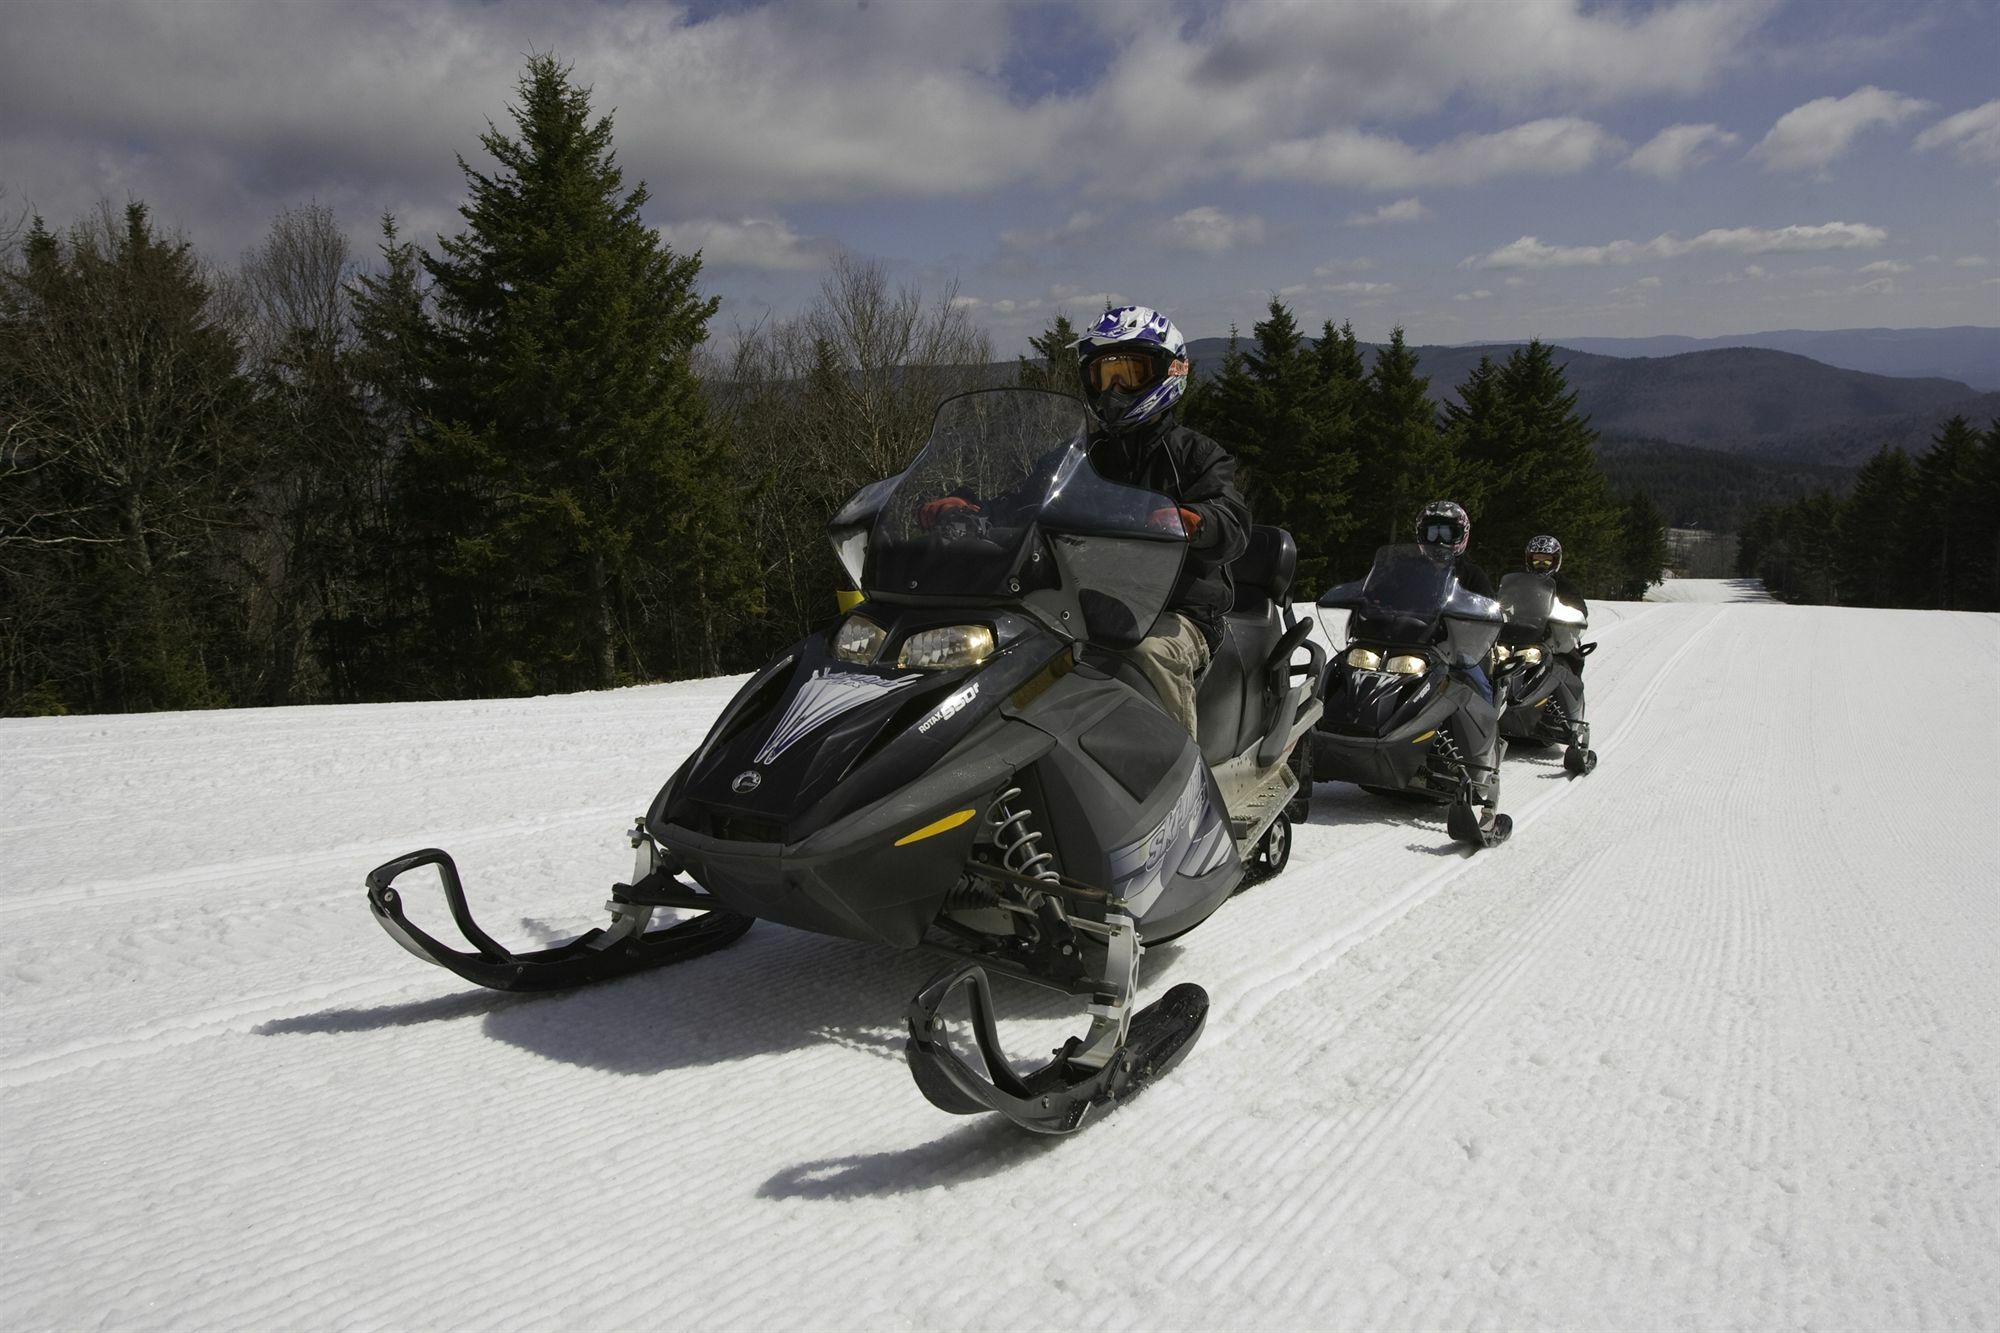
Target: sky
{"points": [[1470, 170]]}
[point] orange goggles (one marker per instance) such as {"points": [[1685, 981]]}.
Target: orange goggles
{"points": [[1120, 370]]}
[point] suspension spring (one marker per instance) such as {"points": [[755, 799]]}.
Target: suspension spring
{"points": [[1018, 840]]}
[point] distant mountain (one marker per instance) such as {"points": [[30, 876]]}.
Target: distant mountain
{"points": [[1966, 352], [1743, 400]]}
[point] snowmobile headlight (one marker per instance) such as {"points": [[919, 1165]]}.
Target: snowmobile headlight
{"points": [[859, 640], [943, 649], [1407, 664], [1365, 659], [1530, 655]]}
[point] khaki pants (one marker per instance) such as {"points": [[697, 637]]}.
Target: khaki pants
{"points": [[1170, 663]]}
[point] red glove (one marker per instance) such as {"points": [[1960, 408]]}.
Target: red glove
{"points": [[1166, 520], [934, 511]]}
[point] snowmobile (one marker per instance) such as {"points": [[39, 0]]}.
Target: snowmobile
{"points": [[965, 761], [1538, 661], [1396, 719]]}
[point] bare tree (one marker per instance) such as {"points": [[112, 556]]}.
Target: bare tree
{"points": [[123, 413], [824, 403]]}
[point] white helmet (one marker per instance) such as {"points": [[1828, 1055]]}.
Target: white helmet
{"points": [[1133, 364]]}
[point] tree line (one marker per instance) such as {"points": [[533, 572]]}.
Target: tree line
{"points": [[1920, 533], [515, 465]]}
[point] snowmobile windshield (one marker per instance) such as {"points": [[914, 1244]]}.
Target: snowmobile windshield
{"points": [[1403, 596], [1003, 505], [1525, 601]]}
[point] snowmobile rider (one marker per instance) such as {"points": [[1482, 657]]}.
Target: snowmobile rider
{"points": [[1134, 368], [1443, 530], [1545, 556]]}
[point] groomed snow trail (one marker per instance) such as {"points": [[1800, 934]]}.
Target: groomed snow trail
{"points": [[1709, 1043]]}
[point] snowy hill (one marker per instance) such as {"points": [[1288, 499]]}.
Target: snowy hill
{"points": [[1709, 1043]]}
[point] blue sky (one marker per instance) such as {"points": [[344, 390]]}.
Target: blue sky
{"points": [[1470, 169]]}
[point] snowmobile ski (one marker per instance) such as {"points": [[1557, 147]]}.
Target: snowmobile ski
{"points": [[1578, 761], [1464, 824], [1063, 1095], [625, 947]]}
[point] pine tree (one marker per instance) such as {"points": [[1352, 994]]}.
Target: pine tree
{"points": [[1288, 427], [564, 442], [1403, 460], [1868, 541], [1539, 473], [1053, 367], [1942, 539], [1643, 546]]}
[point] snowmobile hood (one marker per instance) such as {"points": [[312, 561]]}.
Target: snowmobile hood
{"points": [[813, 738]]}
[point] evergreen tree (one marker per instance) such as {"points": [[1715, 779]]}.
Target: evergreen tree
{"points": [[1403, 461], [1289, 429], [375, 644], [1985, 502], [1053, 367], [1539, 473], [563, 456], [1643, 547], [1942, 539], [1868, 542]]}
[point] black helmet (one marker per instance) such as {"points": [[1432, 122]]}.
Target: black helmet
{"points": [[1545, 554], [1444, 528]]}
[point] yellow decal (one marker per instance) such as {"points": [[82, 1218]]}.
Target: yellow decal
{"points": [[848, 598], [945, 825], [1426, 736]]}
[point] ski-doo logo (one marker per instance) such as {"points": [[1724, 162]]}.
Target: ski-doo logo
{"points": [[949, 708], [825, 695], [747, 781]]}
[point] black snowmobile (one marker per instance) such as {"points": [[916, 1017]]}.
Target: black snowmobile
{"points": [[1396, 720], [965, 762], [1538, 665]]}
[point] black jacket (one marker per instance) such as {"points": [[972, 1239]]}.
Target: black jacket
{"points": [[1195, 473], [1472, 578]]}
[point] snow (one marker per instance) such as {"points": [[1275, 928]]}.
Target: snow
{"points": [[1709, 1043]]}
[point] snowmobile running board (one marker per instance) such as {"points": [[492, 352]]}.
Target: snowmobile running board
{"points": [[1059, 1097], [596, 955]]}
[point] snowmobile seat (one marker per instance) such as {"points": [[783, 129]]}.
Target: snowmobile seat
{"points": [[1231, 698]]}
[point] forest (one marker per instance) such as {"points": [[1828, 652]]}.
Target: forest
{"points": [[1919, 532], [518, 464]]}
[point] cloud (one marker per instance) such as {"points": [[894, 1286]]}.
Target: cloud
{"points": [[1360, 288], [1678, 149], [1403, 210], [1333, 266], [1558, 146], [1480, 295], [1974, 135], [1529, 252], [1415, 58], [1211, 231], [1884, 266], [760, 243], [1035, 240], [1808, 137], [1971, 261]]}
